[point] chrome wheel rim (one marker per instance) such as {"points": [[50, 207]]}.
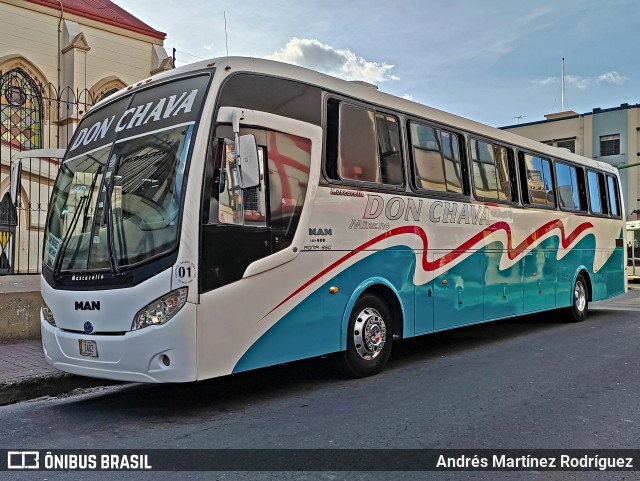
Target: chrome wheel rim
{"points": [[369, 334], [580, 296]]}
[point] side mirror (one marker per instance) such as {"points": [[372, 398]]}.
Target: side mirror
{"points": [[249, 166], [16, 175]]}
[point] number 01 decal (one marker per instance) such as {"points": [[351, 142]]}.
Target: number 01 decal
{"points": [[185, 272]]}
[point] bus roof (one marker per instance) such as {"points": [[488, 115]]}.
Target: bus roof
{"points": [[360, 90]]}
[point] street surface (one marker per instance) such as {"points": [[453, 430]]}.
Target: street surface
{"points": [[528, 382]]}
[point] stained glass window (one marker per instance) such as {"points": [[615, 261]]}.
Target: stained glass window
{"points": [[20, 111]]}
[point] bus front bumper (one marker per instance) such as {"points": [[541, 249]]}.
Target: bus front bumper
{"points": [[136, 356]]}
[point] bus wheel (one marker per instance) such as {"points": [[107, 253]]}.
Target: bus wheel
{"points": [[369, 338], [580, 306]]}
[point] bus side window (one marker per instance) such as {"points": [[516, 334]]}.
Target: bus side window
{"points": [[569, 188], [362, 145], [582, 189], [603, 193], [614, 198], [491, 171], [452, 161], [427, 158], [389, 150], [538, 177], [595, 198], [436, 159], [358, 154]]}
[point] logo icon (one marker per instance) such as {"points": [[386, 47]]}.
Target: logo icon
{"points": [[87, 305], [88, 327], [23, 460]]}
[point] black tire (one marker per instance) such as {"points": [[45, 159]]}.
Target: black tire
{"points": [[371, 324], [580, 301]]}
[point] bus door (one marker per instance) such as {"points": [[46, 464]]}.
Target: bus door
{"points": [[242, 226]]}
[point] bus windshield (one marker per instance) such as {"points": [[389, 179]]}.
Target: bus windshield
{"points": [[117, 204]]}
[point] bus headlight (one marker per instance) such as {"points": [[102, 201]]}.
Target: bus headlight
{"points": [[161, 310], [47, 314]]}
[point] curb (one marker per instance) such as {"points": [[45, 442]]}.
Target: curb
{"points": [[26, 388]]}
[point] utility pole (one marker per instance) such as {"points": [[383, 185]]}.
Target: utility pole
{"points": [[562, 84]]}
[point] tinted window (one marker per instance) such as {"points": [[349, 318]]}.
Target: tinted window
{"points": [[389, 149], [568, 187], [369, 147], [594, 192], [491, 170], [452, 161], [277, 96], [358, 154], [614, 200], [436, 158], [539, 179], [429, 168]]}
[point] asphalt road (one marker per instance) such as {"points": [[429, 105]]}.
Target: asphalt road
{"points": [[528, 382]]}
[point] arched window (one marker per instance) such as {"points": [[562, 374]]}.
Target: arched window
{"points": [[105, 94], [20, 111]]}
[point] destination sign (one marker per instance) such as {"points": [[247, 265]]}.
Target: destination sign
{"points": [[147, 110]]}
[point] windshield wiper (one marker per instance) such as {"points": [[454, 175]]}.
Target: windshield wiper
{"points": [[111, 245], [63, 247]]}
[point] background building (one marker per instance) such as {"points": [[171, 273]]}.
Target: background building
{"points": [[57, 58], [608, 135]]}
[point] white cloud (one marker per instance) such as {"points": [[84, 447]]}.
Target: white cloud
{"points": [[583, 83], [207, 47], [319, 56], [547, 81], [407, 96], [612, 77]]}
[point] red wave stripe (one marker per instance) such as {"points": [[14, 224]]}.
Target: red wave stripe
{"points": [[512, 252]]}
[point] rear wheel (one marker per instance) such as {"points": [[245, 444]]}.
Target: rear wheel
{"points": [[580, 305], [369, 337]]}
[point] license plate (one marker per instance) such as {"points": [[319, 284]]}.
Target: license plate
{"points": [[88, 348]]}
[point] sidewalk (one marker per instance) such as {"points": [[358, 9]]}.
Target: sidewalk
{"points": [[24, 374], [20, 303]]}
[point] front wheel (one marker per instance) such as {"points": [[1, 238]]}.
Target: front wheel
{"points": [[580, 305], [369, 338]]}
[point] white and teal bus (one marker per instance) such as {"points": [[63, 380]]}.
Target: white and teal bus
{"points": [[241, 213]]}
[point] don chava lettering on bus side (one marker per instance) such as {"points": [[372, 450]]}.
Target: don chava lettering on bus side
{"points": [[410, 209]]}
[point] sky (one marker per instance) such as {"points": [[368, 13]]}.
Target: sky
{"points": [[495, 61]]}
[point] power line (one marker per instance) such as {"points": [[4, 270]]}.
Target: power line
{"points": [[190, 55]]}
